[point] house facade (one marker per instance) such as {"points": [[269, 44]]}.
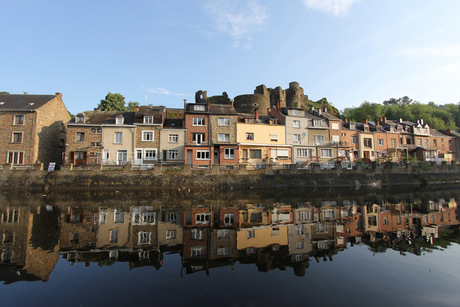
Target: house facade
{"points": [[32, 129]]}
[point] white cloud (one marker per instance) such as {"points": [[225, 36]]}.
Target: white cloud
{"points": [[161, 91], [333, 7], [239, 19]]}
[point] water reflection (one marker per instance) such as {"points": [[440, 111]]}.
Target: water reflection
{"points": [[37, 231]]}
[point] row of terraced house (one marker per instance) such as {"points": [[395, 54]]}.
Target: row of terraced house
{"points": [[38, 128]]}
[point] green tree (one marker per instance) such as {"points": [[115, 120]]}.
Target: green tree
{"points": [[112, 102], [4, 92], [132, 106]]}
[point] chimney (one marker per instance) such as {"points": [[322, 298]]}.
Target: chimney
{"points": [[256, 115], [346, 120], [319, 111], [278, 104], [385, 119], [96, 109], [312, 109], [59, 94], [136, 109], [25, 93], [365, 121], [421, 121]]}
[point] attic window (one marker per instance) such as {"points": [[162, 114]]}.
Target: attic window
{"points": [[249, 120], [119, 120], [148, 119], [273, 121], [199, 107], [80, 119]]}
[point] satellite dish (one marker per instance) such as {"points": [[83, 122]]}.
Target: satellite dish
{"points": [[304, 134]]}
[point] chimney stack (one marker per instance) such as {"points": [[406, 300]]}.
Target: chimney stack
{"points": [[96, 109], [278, 104], [136, 109], [256, 115], [59, 94], [365, 121]]}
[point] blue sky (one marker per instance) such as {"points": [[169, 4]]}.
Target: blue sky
{"points": [[349, 51]]}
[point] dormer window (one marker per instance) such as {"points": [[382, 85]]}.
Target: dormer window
{"points": [[366, 128], [199, 107], [80, 118], [316, 123], [119, 120], [273, 121], [249, 120], [148, 119], [379, 128]]}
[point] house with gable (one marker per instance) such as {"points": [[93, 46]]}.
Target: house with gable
{"points": [[32, 129]]}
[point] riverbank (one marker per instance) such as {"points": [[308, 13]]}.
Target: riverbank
{"points": [[226, 179]]}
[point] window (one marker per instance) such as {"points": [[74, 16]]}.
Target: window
{"points": [[202, 155], [296, 138], [354, 139], [10, 216], [229, 153], [318, 139], [144, 237], [61, 142], [224, 121], [294, 112], [18, 119], [147, 136], [148, 119], [199, 107], [17, 137], [197, 234], [119, 120], [229, 219], [435, 143], [196, 251], [223, 251], [255, 153], [223, 233], [118, 137], [427, 143], [80, 119], [381, 142], [296, 123], [150, 154], [198, 138], [303, 152], [122, 156], [419, 142], [304, 215], [299, 245], [334, 126], [274, 137], [250, 234], [317, 123], [172, 217], [118, 217], [173, 154], [96, 130], [299, 230], [199, 121], [249, 136], [329, 214], [393, 143], [170, 234], [321, 228], [114, 236], [74, 237], [367, 143], [173, 138], [223, 137], [203, 218], [80, 136], [326, 153]]}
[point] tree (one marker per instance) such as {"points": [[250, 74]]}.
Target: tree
{"points": [[132, 106], [112, 102], [4, 92]]}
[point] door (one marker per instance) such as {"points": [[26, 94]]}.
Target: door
{"points": [[79, 157], [216, 157], [138, 157], [106, 156], [189, 156], [122, 157]]}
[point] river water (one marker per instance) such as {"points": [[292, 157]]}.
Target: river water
{"points": [[236, 248]]}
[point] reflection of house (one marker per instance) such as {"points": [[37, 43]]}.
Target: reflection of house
{"points": [[33, 128], [113, 229], [143, 228], [77, 229], [262, 236], [170, 227]]}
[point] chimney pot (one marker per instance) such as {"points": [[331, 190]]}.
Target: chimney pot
{"points": [[136, 109], [256, 115]]}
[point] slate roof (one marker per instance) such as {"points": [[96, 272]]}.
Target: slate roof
{"points": [[23, 102], [173, 123], [222, 109], [156, 112], [104, 118]]}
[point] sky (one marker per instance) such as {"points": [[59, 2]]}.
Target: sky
{"points": [[162, 52]]}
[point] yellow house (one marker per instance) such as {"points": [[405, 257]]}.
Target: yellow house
{"points": [[262, 140], [118, 141], [258, 237]]}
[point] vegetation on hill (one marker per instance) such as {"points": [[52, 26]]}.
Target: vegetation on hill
{"points": [[320, 104], [436, 116]]}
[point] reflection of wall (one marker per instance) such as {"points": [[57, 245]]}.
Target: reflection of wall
{"points": [[262, 236], [111, 220]]}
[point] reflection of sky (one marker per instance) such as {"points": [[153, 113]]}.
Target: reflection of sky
{"points": [[355, 276]]}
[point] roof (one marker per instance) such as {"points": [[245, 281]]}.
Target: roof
{"points": [[222, 109], [156, 112], [105, 117], [173, 123], [23, 102]]}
